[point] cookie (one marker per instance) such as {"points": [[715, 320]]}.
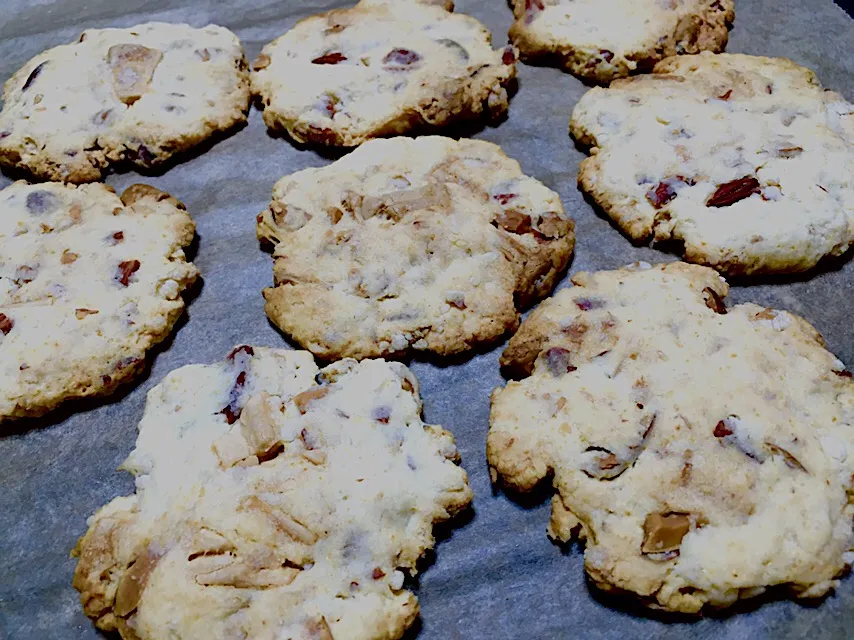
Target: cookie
{"points": [[274, 500], [428, 244], [703, 453], [746, 161], [380, 69], [139, 95], [88, 284], [600, 40]]}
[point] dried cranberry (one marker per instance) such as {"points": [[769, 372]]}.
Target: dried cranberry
{"points": [[6, 324], [721, 430], [558, 361], [244, 348], [844, 374], [400, 58], [118, 236], [126, 270], [503, 198], [382, 414], [586, 304], [660, 195], [726, 95], [232, 409], [377, 573], [333, 57], [509, 56]]}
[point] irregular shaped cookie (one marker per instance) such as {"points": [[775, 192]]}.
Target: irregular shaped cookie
{"points": [[380, 68], [745, 160], [88, 283], [704, 454], [602, 40], [428, 244], [274, 500], [140, 95]]}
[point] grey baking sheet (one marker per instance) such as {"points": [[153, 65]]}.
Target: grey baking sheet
{"points": [[496, 575]]}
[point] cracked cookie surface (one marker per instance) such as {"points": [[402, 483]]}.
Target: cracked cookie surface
{"points": [[274, 500], [428, 244], [748, 161], [89, 283], [703, 453], [602, 40], [135, 95], [380, 69]]}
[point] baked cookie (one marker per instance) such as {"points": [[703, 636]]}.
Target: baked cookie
{"points": [[140, 95], [601, 40], [745, 160], [88, 283], [429, 244], [704, 454], [274, 500], [378, 69]]}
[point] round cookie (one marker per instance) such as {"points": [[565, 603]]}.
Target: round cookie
{"points": [[139, 95], [745, 160], [273, 500], [703, 453], [88, 283], [426, 244], [600, 40], [379, 69]]}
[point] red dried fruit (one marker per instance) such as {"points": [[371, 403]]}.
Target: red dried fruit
{"points": [[118, 236], [377, 573], [33, 75], [664, 191], [126, 270], [532, 7], [244, 348], [558, 361], [6, 324], [332, 57], [844, 374], [721, 430], [509, 56], [726, 95], [232, 409], [503, 198], [606, 55], [733, 191], [382, 414], [401, 58]]}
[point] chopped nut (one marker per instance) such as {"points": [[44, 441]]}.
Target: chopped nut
{"points": [[258, 426], [133, 68], [731, 192], [126, 270], [791, 461], [314, 456], [603, 464], [6, 324], [137, 192], [513, 221], [714, 301], [261, 62], [319, 629], [304, 399], [664, 532], [789, 152], [33, 75], [68, 257], [82, 313], [551, 225], [132, 583]]}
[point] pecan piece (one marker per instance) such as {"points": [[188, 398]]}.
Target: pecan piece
{"points": [[791, 461], [319, 629], [133, 582], [331, 57], [513, 221], [126, 270], [603, 464], [734, 191], [304, 399], [82, 313], [133, 68], [714, 301], [665, 191], [663, 532], [68, 257], [33, 75], [6, 324], [261, 62]]}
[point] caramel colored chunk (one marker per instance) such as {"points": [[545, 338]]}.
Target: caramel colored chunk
{"points": [[133, 68], [664, 532]]}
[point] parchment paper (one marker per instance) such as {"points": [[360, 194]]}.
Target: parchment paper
{"points": [[496, 575]]}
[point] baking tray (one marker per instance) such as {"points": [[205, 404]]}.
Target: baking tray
{"points": [[495, 575]]}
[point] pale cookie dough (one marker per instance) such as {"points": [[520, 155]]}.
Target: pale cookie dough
{"points": [[138, 95], [428, 244], [745, 160], [88, 284], [601, 40], [378, 69], [274, 500], [703, 454]]}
